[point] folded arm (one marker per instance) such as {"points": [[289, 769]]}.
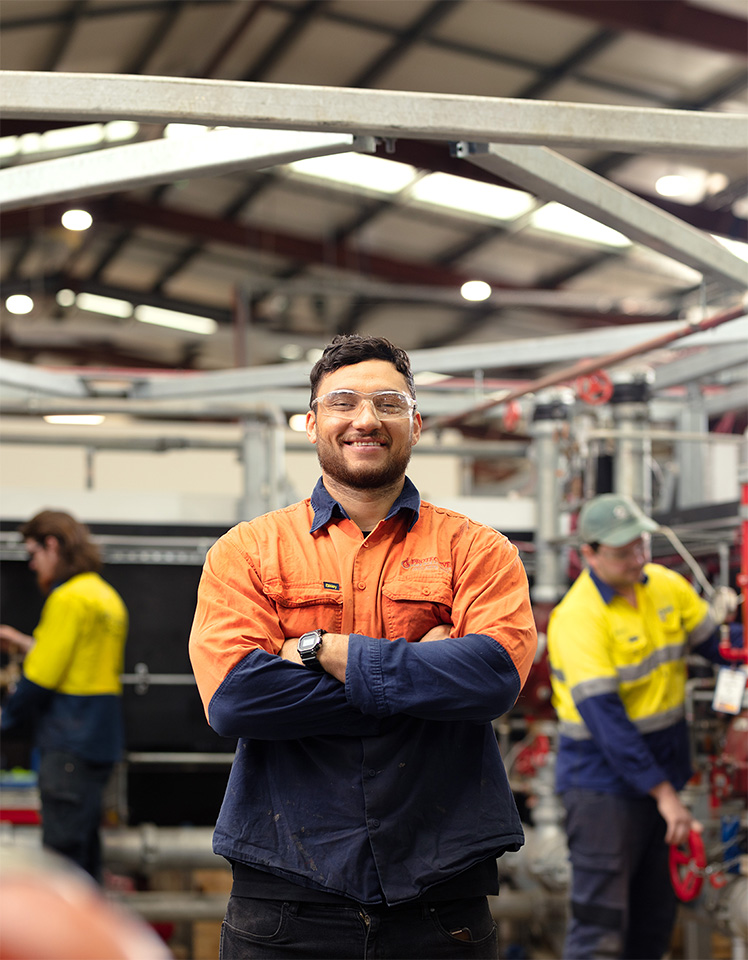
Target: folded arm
{"points": [[475, 675], [246, 688]]}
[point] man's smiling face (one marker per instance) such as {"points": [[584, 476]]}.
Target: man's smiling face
{"points": [[364, 453]]}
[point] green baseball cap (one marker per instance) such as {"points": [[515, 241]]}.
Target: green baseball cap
{"points": [[613, 520]]}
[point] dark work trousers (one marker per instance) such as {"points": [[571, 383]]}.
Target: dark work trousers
{"points": [[622, 899], [71, 793], [273, 930]]}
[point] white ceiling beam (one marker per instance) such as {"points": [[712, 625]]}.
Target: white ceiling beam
{"points": [[88, 97], [25, 376], [468, 358], [163, 161], [705, 363], [553, 177], [248, 381], [733, 398]]}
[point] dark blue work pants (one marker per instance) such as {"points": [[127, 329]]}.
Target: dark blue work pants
{"points": [[71, 792], [273, 930], [622, 899]]}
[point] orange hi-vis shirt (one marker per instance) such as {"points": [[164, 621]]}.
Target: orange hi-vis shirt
{"points": [[269, 579], [402, 755]]}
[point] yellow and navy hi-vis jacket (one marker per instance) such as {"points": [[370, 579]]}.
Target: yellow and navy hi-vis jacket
{"points": [[71, 685], [619, 680]]}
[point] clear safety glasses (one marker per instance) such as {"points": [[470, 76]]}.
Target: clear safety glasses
{"points": [[347, 404]]}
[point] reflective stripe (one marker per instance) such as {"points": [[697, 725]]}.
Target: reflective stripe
{"points": [[657, 658], [593, 688], [660, 721], [702, 631], [575, 731]]}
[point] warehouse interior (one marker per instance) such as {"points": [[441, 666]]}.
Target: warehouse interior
{"points": [[545, 202]]}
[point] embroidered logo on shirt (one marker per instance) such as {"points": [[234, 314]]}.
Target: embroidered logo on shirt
{"points": [[329, 585], [665, 612], [426, 562]]}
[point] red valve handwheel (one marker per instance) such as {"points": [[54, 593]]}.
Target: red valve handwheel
{"points": [[688, 882], [512, 415], [595, 388]]}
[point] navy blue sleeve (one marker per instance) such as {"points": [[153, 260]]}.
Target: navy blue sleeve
{"points": [[23, 706], [460, 678], [623, 746], [267, 698], [709, 648]]}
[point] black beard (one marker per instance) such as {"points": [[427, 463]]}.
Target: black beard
{"points": [[335, 467]]}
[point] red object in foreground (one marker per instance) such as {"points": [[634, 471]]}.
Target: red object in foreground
{"points": [[687, 867]]}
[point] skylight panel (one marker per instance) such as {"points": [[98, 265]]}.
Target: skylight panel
{"points": [[557, 218], [373, 174], [737, 247], [462, 194]]}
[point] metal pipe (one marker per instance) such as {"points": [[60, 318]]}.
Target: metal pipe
{"points": [[591, 365], [496, 448], [622, 433]]}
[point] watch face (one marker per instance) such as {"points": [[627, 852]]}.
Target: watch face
{"points": [[309, 642]]}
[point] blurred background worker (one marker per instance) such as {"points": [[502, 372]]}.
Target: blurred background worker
{"points": [[617, 645], [69, 694]]}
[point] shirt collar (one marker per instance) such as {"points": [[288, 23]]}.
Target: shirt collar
{"points": [[326, 508], [606, 591]]}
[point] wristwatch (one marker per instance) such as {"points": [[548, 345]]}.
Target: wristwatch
{"points": [[308, 645]]}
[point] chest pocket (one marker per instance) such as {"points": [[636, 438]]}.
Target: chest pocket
{"points": [[412, 607], [305, 606], [632, 652]]}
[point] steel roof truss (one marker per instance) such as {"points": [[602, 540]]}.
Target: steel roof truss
{"points": [[554, 177], [88, 97], [163, 161]]}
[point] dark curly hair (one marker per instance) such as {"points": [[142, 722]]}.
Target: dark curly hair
{"points": [[78, 553], [347, 349]]}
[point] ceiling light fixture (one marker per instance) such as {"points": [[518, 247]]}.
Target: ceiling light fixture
{"points": [[475, 290], [75, 419], [19, 304], [297, 422], [673, 185], [95, 303], [175, 320], [76, 219], [65, 298]]}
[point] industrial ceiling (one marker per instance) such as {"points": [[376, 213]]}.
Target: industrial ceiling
{"points": [[521, 112]]}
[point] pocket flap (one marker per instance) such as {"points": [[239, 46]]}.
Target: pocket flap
{"points": [[427, 590], [305, 594]]}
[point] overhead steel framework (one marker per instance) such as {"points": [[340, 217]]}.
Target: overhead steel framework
{"points": [[499, 134], [381, 113]]}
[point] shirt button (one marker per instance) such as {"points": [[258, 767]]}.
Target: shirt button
{"points": [[361, 585], [374, 823], [372, 773], [427, 592]]}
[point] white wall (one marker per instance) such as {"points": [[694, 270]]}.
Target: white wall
{"points": [[140, 486]]}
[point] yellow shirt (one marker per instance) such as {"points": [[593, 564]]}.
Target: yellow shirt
{"points": [[80, 639]]}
